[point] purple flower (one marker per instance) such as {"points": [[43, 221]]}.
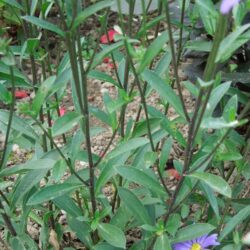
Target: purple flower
{"points": [[200, 243], [227, 5]]}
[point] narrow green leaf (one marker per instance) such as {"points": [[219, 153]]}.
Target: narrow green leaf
{"points": [[234, 221], [92, 9], [215, 97], [95, 74], [51, 192], [33, 7], [162, 243], [29, 165], [106, 173], [65, 123], [43, 24], [135, 206], [149, 25], [165, 152], [128, 146], [164, 90], [82, 230], [18, 124], [153, 50], [27, 183], [5, 95], [112, 234], [17, 243], [105, 246], [13, 3], [218, 123], [210, 197], [21, 79], [193, 231], [106, 51], [229, 43], [215, 182], [199, 45], [141, 177], [42, 94], [208, 15], [68, 205]]}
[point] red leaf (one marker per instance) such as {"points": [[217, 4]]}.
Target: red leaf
{"points": [[173, 172], [111, 65], [62, 111], [105, 39], [106, 59], [20, 94]]}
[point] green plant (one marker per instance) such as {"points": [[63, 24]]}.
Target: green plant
{"points": [[211, 172]]}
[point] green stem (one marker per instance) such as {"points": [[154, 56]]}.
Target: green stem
{"points": [[7, 221], [12, 107], [67, 161], [174, 61], [143, 100], [183, 7], [85, 113], [211, 67]]}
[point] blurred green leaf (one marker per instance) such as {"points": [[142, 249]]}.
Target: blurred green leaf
{"points": [[216, 95], [65, 123], [13, 3], [68, 205], [232, 42], [209, 193], [41, 94], [152, 51], [193, 231], [26, 183], [141, 177], [112, 234], [51, 192], [234, 221], [218, 123], [162, 243], [44, 24], [129, 145], [199, 45], [82, 230], [165, 152], [164, 90], [5, 95], [215, 182], [92, 9], [29, 165], [135, 206], [208, 15]]}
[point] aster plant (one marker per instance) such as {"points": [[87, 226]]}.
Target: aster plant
{"points": [[105, 144], [204, 242]]}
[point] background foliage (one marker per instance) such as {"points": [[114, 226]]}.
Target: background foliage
{"points": [[210, 193]]}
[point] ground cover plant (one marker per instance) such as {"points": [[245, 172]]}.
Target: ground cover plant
{"points": [[124, 124]]}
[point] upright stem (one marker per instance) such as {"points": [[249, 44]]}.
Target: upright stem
{"points": [[211, 66], [208, 75], [10, 118], [174, 62], [85, 113], [183, 7], [7, 221], [143, 101]]}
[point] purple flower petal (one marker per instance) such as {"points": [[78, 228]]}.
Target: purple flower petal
{"points": [[204, 241], [210, 241], [227, 5], [186, 245]]}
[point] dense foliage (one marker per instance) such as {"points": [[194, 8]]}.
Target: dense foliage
{"points": [[137, 184]]}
